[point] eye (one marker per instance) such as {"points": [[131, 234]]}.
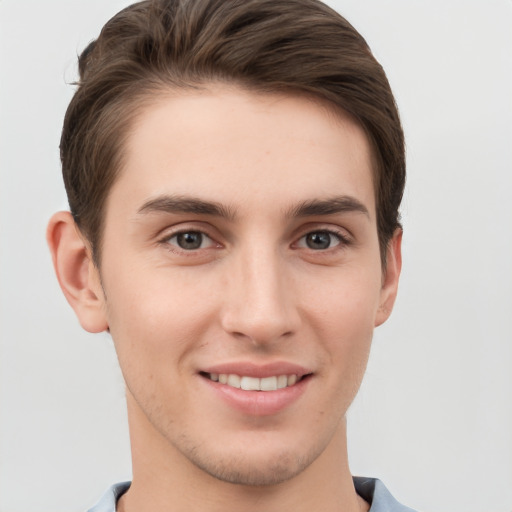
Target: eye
{"points": [[320, 240], [191, 240]]}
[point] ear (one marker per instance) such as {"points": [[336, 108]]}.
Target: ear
{"points": [[77, 275], [391, 275]]}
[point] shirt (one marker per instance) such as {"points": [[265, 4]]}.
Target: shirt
{"points": [[370, 489]]}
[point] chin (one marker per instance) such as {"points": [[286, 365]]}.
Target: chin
{"points": [[249, 472], [253, 461]]}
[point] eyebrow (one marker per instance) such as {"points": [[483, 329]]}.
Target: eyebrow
{"points": [[186, 204], [311, 208], [331, 206]]}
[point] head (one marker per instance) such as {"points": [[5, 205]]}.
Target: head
{"points": [[234, 171], [292, 47]]}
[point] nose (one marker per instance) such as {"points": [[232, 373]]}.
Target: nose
{"points": [[260, 304]]}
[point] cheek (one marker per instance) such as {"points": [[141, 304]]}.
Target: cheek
{"points": [[346, 303], [158, 316], [342, 318]]}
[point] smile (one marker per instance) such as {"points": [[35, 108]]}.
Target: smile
{"points": [[272, 383]]}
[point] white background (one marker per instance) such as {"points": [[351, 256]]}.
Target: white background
{"points": [[434, 416]]}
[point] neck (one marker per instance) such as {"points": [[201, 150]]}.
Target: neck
{"points": [[165, 480]]}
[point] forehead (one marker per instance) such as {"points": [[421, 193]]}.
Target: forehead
{"points": [[244, 149]]}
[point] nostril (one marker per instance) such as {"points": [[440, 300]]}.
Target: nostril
{"points": [[260, 322]]}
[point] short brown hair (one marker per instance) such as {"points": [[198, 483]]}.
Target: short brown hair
{"points": [[286, 46]]}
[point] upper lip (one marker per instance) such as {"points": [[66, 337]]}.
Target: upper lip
{"points": [[249, 369]]}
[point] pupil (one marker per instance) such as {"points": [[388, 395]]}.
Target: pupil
{"points": [[190, 240], [318, 240]]}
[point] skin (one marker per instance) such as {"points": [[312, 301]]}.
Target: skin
{"points": [[270, 281]]}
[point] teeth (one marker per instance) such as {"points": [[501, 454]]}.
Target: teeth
{"points": [[250, 383], [282, 381], [254, 383], [233, 381], [268, 384]]}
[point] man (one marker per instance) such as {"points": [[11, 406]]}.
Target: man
{"points": [[234, 171]]}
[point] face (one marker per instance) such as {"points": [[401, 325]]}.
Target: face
{"points": [[242, 279]]}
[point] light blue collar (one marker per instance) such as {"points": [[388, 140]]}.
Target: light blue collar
{"points": [[370, 489]]}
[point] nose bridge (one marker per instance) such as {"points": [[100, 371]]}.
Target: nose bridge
{"points": [[259, 300]]}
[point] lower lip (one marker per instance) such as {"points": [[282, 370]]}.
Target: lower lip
{"points": [[259, 403]]}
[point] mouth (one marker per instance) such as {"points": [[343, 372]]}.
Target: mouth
{"points": [[248, 383], [257, 390]]}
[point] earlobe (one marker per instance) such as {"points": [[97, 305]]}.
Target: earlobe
{"points": [[390, 278], [77, 275]]}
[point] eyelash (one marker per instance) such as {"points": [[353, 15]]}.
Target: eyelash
{"points": [[180, 250], [342, 239]]}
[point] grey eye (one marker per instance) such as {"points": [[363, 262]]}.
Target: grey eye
{"points": [[320, 240], [190, 240]]}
